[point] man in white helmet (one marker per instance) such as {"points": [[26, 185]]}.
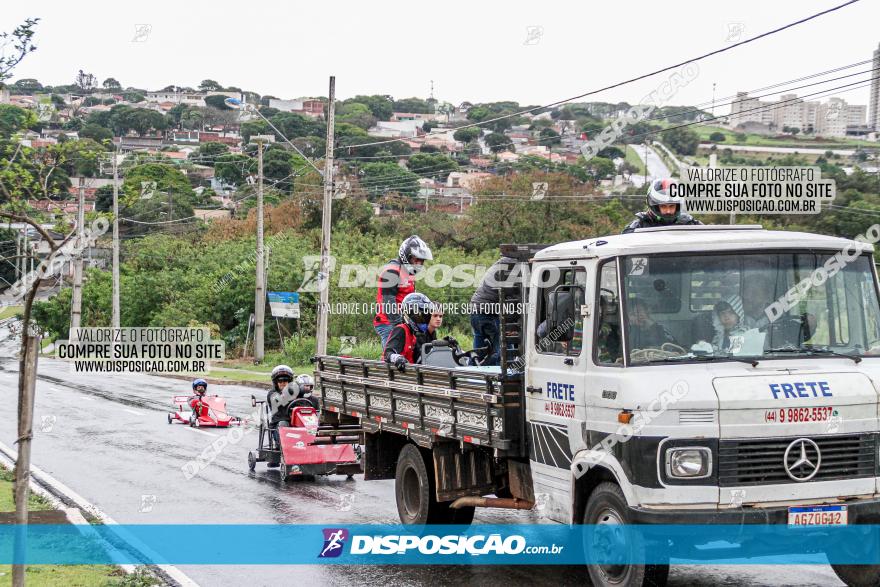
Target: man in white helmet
{"points": [[663, 209], [396, 281]]}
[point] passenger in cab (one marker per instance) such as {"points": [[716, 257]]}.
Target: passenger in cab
{"points": [[663, 209], [728, 321], [200, 388], [280, 396]]}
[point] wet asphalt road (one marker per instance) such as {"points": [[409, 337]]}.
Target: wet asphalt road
{"points": [[107, 438]]}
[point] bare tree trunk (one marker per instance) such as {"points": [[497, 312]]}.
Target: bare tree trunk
{"points": [[27, 379]]}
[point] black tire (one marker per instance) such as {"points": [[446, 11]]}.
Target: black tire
{"points": [[415, 492], [607, 505], [461, 516], [284, 471], [170, 419], [252, 461], [858, 575]]}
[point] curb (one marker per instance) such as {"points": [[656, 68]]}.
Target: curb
{"points": [[64, 494], [214, 381]]}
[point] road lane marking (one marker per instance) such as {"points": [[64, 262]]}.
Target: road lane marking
{"points": [[132, 412], [200, 431]]}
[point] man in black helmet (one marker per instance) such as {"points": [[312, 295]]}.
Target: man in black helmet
{"points": [[663, 209], [405, 342]]}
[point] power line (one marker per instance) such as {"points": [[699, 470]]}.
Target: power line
{"points": [[651, 74]]}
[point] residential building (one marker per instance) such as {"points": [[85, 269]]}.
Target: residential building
{"points": [[831, 118], [874, 100]]}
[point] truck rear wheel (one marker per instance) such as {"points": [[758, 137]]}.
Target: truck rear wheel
{"points": [[607, 505], [416, 495], [858, 575]]}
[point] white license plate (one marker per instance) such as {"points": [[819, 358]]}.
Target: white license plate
{"points": [[817, 515]]}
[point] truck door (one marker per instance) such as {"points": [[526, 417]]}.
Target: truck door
{"points": [[555, 379]]}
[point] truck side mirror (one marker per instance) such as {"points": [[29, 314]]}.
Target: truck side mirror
{"points": [[560, 315]]}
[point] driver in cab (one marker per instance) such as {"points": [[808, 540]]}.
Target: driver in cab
{"points": [[644, 332]]}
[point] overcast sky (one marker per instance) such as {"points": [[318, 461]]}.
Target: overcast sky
{"points": [[530, 52]]}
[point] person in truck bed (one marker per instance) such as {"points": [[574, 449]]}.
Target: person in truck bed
{"points": [[663, 209], [405, 342], [396, 281]]}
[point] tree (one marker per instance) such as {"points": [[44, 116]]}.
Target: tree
{"points": [[717, 137], [95, 132], [233, 168], [550, 137], [85, 81], [682, 140], [218, 102], [381, 107], [171, 185], [498, 142], [26, 85], [208, 152], [611, 153], [111, 84], [381, 178], [355, 113], [414, 105], [432, 165], [21, 40], [466, 135], [209, 85], [133, 97], [14, 119]]}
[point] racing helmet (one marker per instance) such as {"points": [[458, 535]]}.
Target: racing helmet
{"points": [[281, 371], [416, 309], [305, 382], [413, 248], [201, 382], [658, 193]]}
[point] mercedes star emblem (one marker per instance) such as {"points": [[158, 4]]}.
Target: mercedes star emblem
{"points": [[802, 459]]}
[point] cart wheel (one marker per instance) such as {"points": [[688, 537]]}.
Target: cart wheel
{"points": [[284, 471], [197, 423], [349, 477], [252, 461], [170, 419]]}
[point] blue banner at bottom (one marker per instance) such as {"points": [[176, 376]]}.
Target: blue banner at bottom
{"points": [[454, 545]]}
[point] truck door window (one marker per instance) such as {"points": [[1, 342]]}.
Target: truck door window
{"points": [[551, 278], [608, 344]]}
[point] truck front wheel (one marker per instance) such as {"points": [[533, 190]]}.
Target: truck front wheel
{"points": [[416, 496], [858, 575], [607, 505]]}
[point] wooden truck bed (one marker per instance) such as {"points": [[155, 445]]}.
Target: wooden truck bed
{"points": [[426, 404]]}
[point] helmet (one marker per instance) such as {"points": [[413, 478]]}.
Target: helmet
{"points": [[658, 193], [281, 371], [416, 309], [202, 382], [305, 382], [413, 248]]}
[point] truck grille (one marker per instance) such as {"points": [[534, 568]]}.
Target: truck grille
{"points": [[759, 461]]}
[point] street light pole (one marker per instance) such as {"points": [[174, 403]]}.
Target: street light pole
{"points": [[260, 290], [326, 214], [115, 310]]}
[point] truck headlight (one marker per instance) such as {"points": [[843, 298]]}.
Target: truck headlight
{"points": [[688, 462]]}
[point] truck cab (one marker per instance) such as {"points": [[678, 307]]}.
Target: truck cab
{"points": [[679, 375], [705, 375]]}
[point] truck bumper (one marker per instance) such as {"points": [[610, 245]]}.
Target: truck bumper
{"points": [[861, 511]]}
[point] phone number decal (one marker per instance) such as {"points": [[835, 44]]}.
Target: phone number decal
{"points": [[783, 415]]}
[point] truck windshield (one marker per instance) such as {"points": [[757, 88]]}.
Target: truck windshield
{"points": [[749, 305]]}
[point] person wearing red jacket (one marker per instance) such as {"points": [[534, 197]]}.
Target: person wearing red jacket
{"points": [[405, 342], [396, 281]]}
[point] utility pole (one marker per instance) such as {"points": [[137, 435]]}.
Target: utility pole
{"points": [[25, 433], [76, 300], [324, 271], [115, 313], [260, 291], [18, 255]]}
